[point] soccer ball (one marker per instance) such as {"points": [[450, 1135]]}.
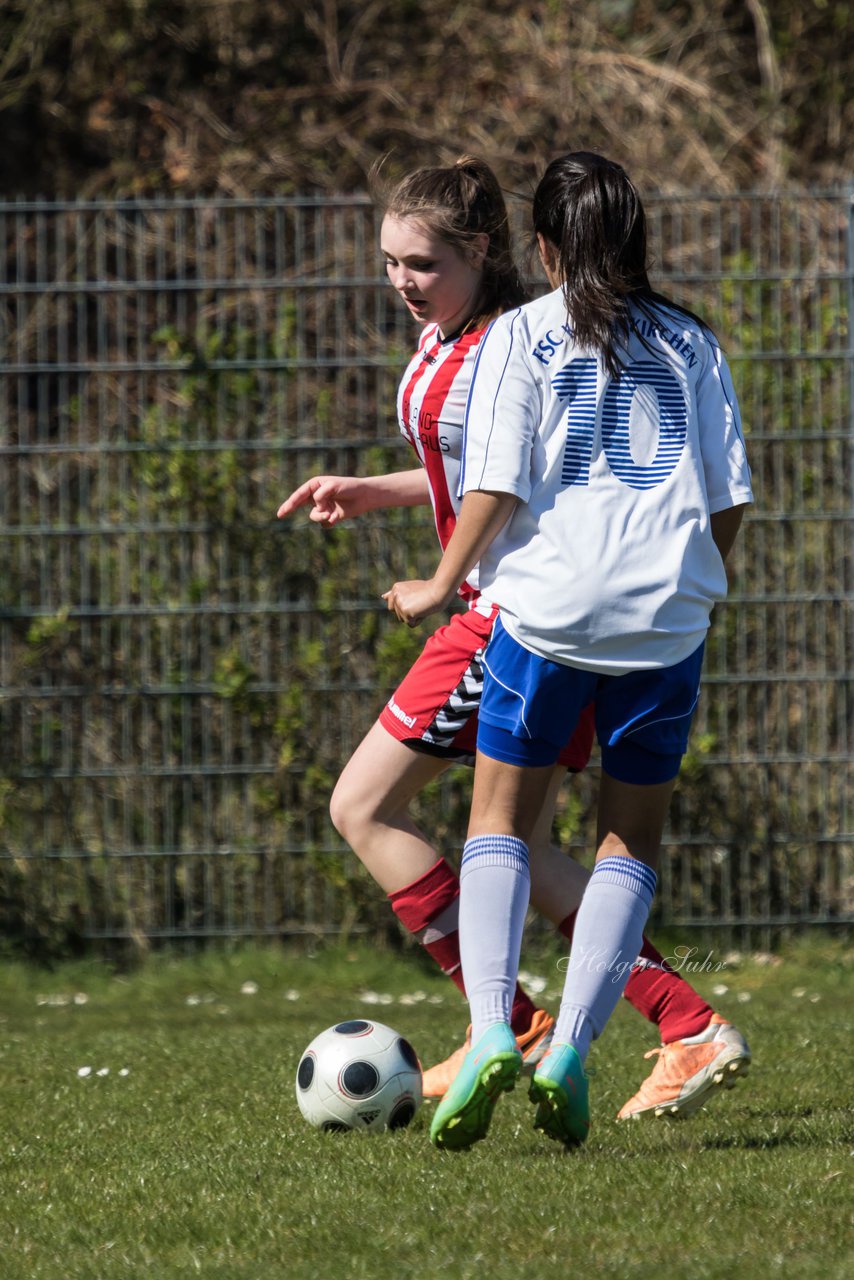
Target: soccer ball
{"points": [[359, 1075]]}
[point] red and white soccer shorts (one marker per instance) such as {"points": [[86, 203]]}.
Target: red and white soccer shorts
{"points": [[434, 708]]}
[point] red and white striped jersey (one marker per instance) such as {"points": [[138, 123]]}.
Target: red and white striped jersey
{"points": [[431, 405]]}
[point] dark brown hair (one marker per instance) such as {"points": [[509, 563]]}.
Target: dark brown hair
{"points": [[588, 208]]}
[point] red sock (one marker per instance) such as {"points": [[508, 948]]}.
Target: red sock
{"points": [[429, 909], [660, 993]]}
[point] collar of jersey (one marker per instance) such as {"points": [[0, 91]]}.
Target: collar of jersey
{"points": [[455, 336]]}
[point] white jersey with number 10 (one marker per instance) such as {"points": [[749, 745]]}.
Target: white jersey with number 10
{"points": [[608, 562]]}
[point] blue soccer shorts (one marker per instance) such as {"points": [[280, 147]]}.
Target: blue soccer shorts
{"points": [[531, 704]]}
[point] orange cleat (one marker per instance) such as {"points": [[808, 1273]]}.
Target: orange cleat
{"points": [[688, 1072], [532, 1044]]}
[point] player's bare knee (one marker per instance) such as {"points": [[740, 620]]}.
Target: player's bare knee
{"points": [[353, 810], [345, 812]]}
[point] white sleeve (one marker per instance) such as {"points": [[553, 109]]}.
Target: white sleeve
{"points": [[721, 438], [502, 414]]}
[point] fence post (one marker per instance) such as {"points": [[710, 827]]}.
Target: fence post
{"points": [[849, 269]]}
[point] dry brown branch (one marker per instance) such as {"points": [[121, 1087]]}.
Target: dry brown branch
{"points": [[772, 84]]}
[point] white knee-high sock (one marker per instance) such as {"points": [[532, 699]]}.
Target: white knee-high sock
{"points": [[495, 885], [607, 938]]}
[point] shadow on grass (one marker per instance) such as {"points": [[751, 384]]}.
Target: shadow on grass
{"points": [[831, 1126]]}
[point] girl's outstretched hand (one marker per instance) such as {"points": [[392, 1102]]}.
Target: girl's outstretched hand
{"points": [[332, 498]]}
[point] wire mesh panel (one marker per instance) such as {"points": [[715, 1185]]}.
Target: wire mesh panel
{"points": [[175, 672], [768, 837], [182, 676]]}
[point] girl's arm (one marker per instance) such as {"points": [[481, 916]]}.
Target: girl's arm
{"points": [[725, 527], [482, 515], [336, 498]]}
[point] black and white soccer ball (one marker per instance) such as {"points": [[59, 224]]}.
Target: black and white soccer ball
{"points": [[359, 1075]]}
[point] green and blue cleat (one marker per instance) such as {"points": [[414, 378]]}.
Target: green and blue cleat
{"points": [[490, 1068], [559, 1089]]}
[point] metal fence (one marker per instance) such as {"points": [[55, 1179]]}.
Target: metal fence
{"points": [[181, 676]]}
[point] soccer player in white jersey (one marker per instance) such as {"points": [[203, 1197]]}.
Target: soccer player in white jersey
{"points": [[605, 479], [446, 244]]}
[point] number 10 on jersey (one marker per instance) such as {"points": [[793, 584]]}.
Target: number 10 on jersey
{"points": [[644, 422]]}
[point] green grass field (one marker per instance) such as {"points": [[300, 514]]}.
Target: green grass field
{"points": [[188, 1155]]}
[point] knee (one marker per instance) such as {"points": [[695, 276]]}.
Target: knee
{"points": [[344, 810], [355, 811]]}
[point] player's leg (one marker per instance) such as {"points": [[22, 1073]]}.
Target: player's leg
{"points": [[689, 1069], [370, 808], [700, 1050], [495, 881], [642, 720], [494, 886], [557, 880], [557, 884], [610, 923], [427, 725], [523, 694], [607, 937], [560, 880]]}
